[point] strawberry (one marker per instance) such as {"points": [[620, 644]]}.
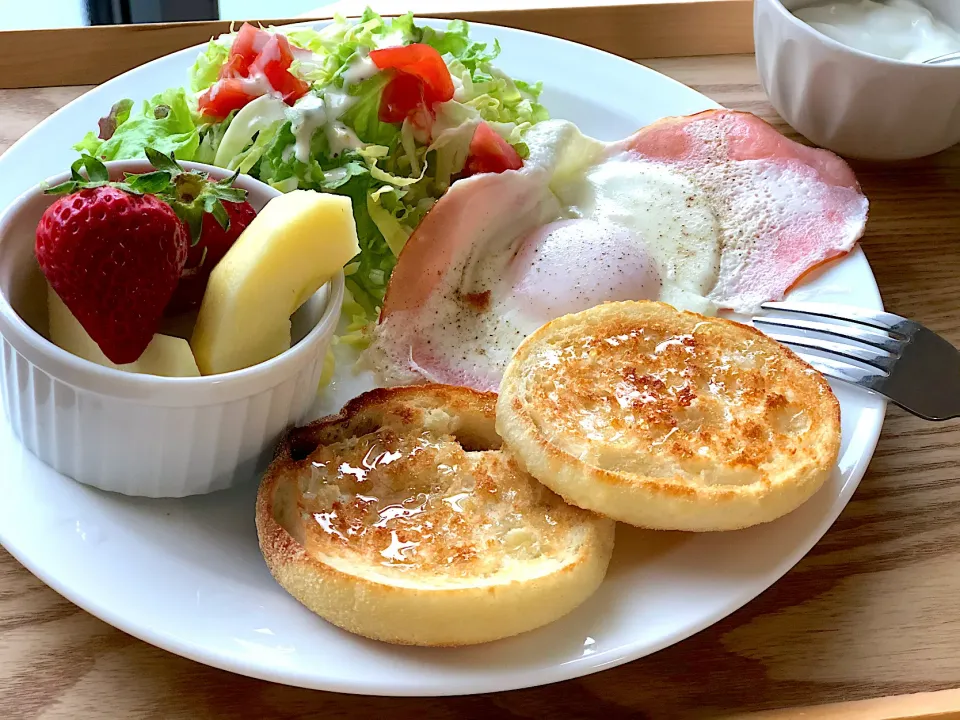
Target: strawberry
{"points": [[212, 245], [114, 258], [114, 251]]}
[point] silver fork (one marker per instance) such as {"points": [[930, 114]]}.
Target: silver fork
{"points": [[901, 359]]}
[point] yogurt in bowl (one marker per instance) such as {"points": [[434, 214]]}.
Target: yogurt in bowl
{"points": [[854, 101], [896, 29]]}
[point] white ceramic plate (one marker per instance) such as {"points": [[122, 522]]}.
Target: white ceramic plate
{"points": [[187, 575]]}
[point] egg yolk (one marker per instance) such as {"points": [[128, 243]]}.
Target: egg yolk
{"points": [[571, 265]]}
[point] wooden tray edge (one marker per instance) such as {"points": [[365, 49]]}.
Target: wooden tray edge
{"points": [[646, 28]]}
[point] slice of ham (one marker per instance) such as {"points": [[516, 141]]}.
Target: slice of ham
{"points": [[805, 203]]}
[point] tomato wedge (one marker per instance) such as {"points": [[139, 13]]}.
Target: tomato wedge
{"points": [[401, 96], [236, 66], [248, 43], [421, 61], [258, 54], [274, 63], [421, 79], [490, 153], [223, 97]]}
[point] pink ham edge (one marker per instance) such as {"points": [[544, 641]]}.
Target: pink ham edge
{"points": [[772, 268], [443, 236], [441, 240]]}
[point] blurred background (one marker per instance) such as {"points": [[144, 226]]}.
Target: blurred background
{"points": [[47, 14], [28, 15]]}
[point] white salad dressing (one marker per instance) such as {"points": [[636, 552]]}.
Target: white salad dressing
{"points": [[257, 85], [340, 137], [307, 114], [459, 92], [335, 175], [896, 29], [337, 102], [359, 70], [393, 39]]}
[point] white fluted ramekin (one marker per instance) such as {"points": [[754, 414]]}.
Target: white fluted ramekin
{"points": [[142, 434], [854, 103]]}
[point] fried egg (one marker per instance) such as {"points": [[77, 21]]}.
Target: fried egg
{"points": [[711, 211]]}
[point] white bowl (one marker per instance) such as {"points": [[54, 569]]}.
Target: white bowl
{"points": [[854, 103], [142, 434]]}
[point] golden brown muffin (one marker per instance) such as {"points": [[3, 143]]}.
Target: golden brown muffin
{"points": [[668, 420], [401, 520]]}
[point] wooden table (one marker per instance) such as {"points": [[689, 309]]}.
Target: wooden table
{"points": [[873, 610]]}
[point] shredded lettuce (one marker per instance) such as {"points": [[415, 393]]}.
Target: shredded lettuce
{"points": [[393, 231], [329, 365], [251, 124], [322, 171], [164, 122], [206, 69], [363, 117], [376, 260], [247, 159], [211, 135], [373, 153], [357, 330], [452, 147], [455, 41], [393, 177], [338, 44]]}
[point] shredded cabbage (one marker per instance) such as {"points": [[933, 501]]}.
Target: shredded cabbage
{"points": [[392, 174], [337, 45], [206, 69]]}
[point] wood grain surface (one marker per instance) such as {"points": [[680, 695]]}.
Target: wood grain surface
{"points": [[40, 58], [873, 610]]}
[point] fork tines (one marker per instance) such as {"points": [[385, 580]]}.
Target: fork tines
{"points": [[872, 341]]}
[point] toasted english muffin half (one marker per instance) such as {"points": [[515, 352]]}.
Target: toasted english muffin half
{"points": [[668, 420], [401, 520]]}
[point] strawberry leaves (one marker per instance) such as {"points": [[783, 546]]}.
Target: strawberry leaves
{"points": [[97, 176], [150, 183], [190, 193], [167, 163]]}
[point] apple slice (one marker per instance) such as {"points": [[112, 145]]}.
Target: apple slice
{"points": [[293, 246], [165, 355]]}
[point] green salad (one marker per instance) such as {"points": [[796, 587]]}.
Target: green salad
{"points": [[359, 108]]}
